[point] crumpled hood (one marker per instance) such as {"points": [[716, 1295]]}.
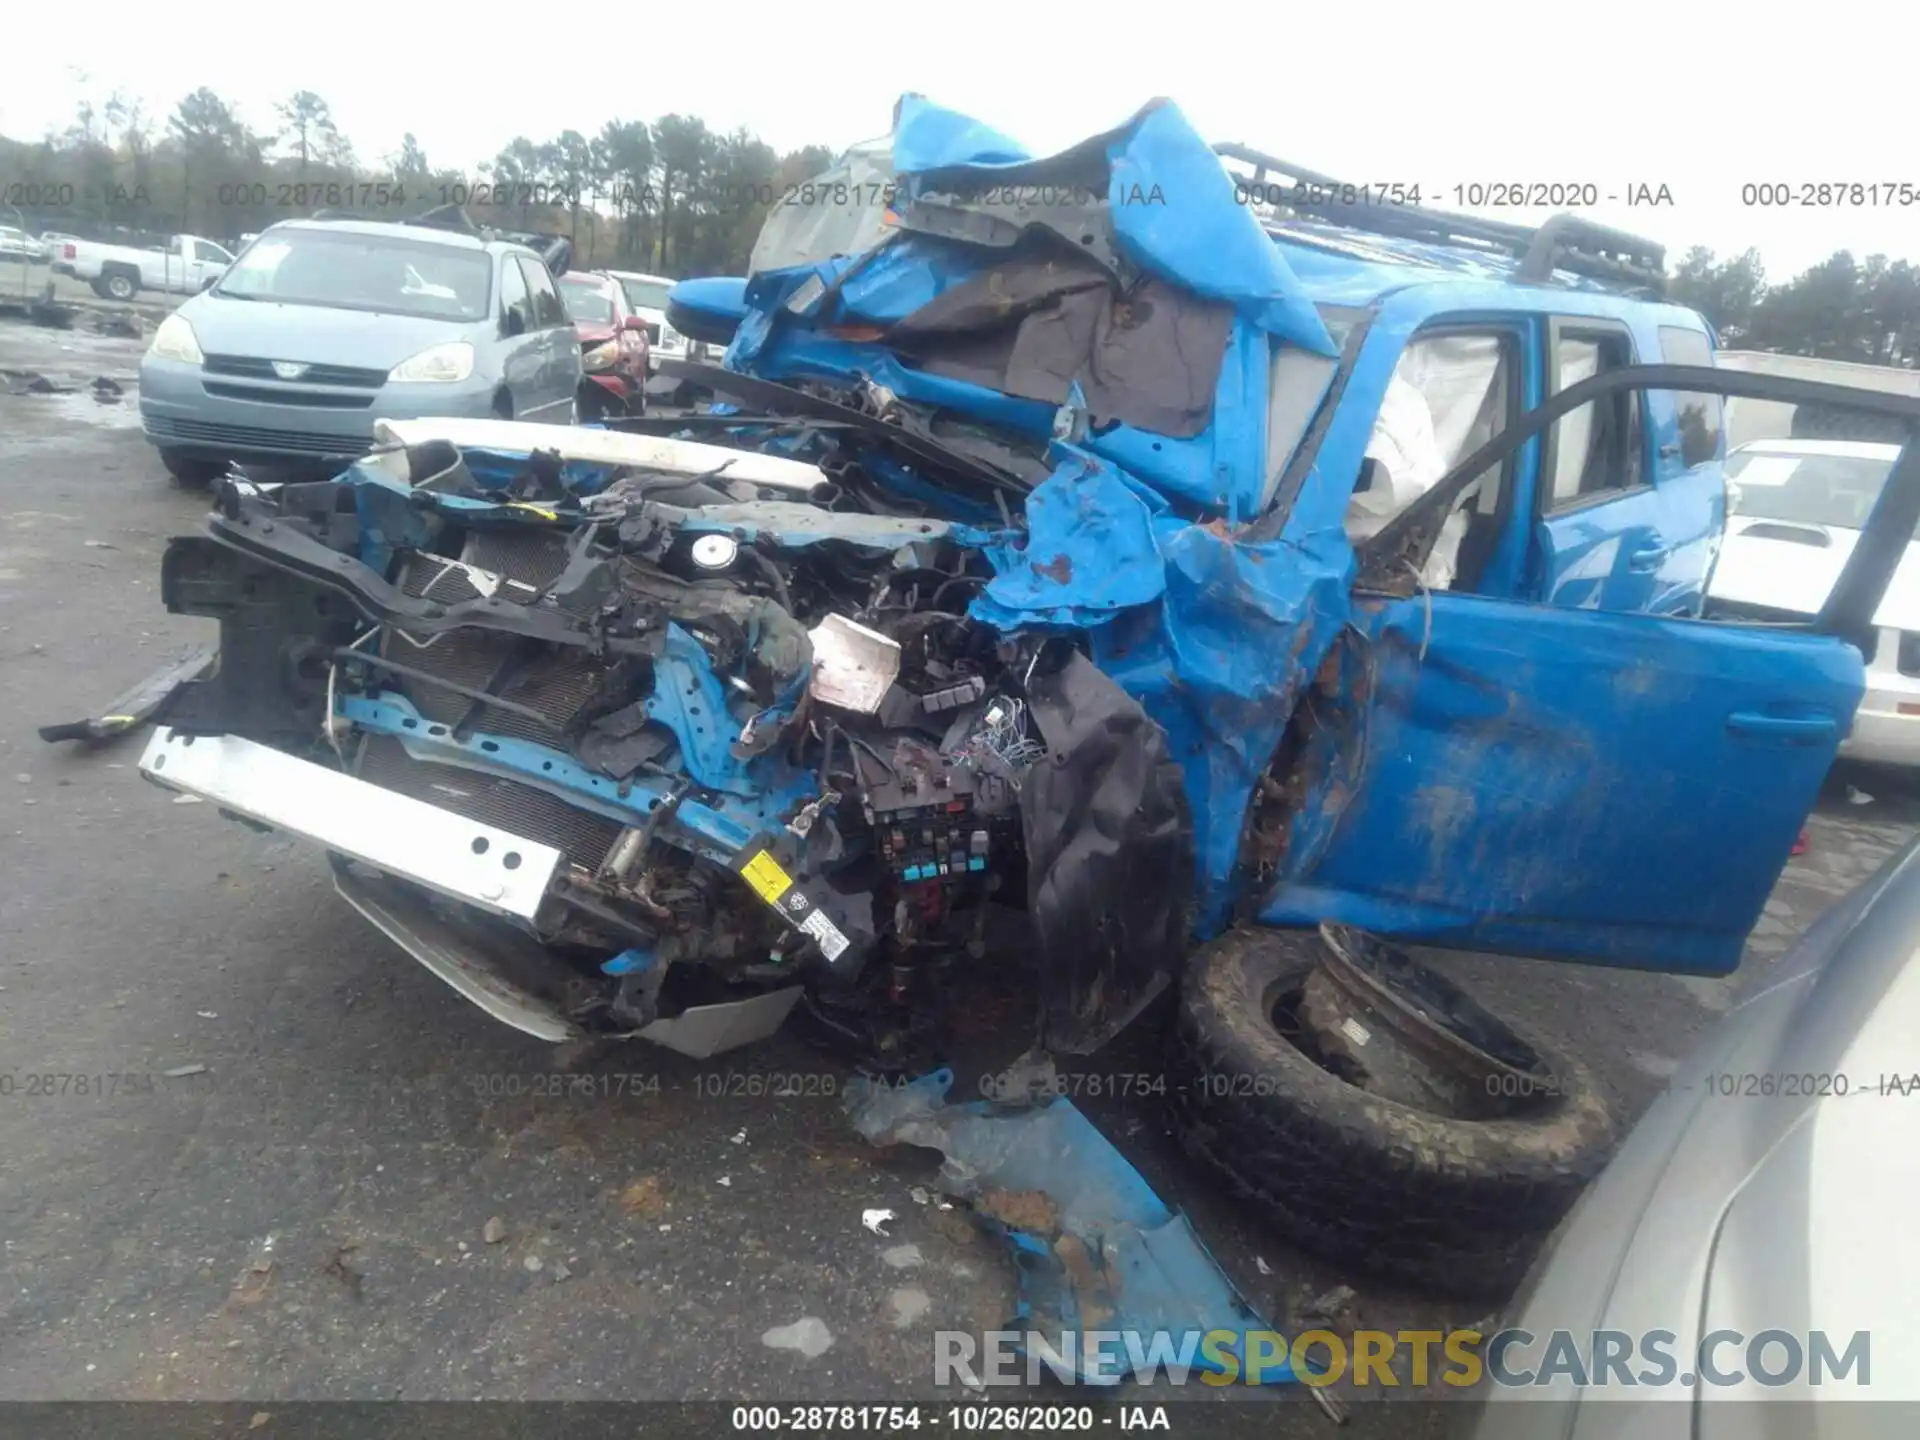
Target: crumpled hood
{"points": [[1170, 200], [1127, 256]]}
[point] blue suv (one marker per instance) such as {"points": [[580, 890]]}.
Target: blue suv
{"points": [[1243, 595]]}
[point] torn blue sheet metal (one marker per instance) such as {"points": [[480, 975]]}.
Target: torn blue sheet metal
{"points": [[1171, 203], [1213, 634], [1111, 1257]]}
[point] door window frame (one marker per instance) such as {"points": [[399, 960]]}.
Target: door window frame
{"points": [[530, 266], [1403, 544], [1582, 327]]}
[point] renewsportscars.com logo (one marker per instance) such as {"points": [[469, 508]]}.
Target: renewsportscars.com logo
{"points": [[1403, 1358]]}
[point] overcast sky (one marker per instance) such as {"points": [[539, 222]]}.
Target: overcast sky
{"points": [[1700, 97]]}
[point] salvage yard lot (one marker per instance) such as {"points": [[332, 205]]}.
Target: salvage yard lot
{"points": [[306, 1213]]}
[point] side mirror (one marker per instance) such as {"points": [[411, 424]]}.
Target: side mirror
{"points": [[513, 323], [634, 322]]}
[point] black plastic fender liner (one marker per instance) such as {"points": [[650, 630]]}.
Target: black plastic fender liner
{"points": [[1109, 844]]}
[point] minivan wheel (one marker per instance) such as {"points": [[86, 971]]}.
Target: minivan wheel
{"points": [[191, 472], [1408, 1162]]}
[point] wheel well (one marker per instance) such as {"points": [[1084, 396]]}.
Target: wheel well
{"points": [[503, 403]]}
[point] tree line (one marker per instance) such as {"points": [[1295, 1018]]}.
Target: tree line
{"points": [[670, 195], [674, 196], [1841, 309]]}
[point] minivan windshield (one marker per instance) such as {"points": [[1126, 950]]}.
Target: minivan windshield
{"points": [[647, 294], [349, 270], [1802, 489]]}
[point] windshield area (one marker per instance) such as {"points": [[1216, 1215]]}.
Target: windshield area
{"points": [[1836, 490], [382, 274], [587, 304], [647, 294]]}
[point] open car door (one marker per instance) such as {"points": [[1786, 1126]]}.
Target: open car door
{"points": [[1623, 789]]}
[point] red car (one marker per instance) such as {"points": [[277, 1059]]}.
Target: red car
{"points": [[613, 345]]}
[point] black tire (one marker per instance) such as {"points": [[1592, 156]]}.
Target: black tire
{"points": [[118, 285], [190, 472], [1433, 1202]]}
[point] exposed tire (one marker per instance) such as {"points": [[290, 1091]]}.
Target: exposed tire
{"points": [[503, 406], [1428, 1200], [118, 285], [190, 472]]}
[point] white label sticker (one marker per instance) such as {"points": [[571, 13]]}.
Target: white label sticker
{"points": [[832, 942], [1355, 1031]]}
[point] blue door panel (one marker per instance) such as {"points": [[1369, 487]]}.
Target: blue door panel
{"points": [[1619, 789]]}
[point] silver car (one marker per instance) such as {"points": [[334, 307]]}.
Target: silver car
{"points": [[323, 327], [1748, 1242]]}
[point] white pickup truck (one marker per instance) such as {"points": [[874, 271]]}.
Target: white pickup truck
{"points": [[186, 265]]}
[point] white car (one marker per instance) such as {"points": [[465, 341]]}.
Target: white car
{"points": [[1795, 509]]}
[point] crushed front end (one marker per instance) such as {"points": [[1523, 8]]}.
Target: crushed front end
{"points": [[636, 748], [962, 596]]}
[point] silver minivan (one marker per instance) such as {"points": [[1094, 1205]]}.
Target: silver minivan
{"points": [[323, 326]]}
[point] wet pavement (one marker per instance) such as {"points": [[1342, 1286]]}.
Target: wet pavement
{"points": [[355, 1185]]}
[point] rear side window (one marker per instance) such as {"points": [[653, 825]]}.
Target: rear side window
{"points": [[1596, 449], [1700, 416], [548, 310], [514, 299]]}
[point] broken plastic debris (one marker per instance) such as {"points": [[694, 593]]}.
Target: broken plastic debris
{"points": [[853, 667], [180, 1071], [875, 1220], [1095, 1250], [809, 1335], [1262, 1266], [208, 1014], [739, 1139]]}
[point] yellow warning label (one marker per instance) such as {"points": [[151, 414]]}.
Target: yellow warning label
{"points": [[768, 880]]}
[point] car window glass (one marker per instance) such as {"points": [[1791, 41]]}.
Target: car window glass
{"points": [[589, 303], [1596, 448], [548, 310], [382, 274], [1699, 414], [514, 299], [1447, 398], [1796, 488]]}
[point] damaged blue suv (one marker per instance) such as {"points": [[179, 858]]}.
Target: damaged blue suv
{"points": [[1241, 582]]}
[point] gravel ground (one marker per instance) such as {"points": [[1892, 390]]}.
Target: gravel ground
{"points": [[310, 1212]]}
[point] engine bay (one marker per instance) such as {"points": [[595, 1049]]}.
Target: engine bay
{"points": [[752, 715]]}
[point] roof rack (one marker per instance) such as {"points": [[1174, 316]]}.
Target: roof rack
{"points": [[555, 250], [1565, 243]]}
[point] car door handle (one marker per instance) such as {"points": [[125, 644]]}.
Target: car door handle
{"points": [[1782, 727], [1648, 557]]}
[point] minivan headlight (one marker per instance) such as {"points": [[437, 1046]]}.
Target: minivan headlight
{"points": [[175, 340], [439, 364]]}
